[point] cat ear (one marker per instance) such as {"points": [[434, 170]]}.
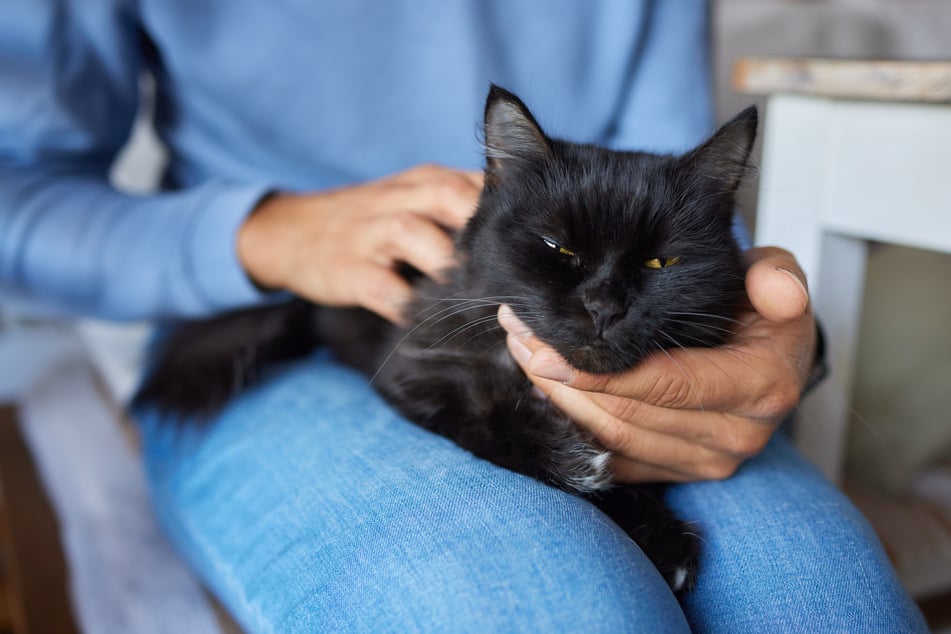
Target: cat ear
{"points": [[724, 157], [512, 136]]}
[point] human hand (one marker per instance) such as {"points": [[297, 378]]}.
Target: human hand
{"points": [[697, 413], [340, 247]]}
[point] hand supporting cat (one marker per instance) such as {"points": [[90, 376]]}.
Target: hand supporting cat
{"points": [[692, 414]]}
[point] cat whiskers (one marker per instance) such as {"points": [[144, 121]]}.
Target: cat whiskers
{"points": [[452, 334], [696, 533], [468, 304], [785, 363], [459, 305], [527, 317], [735, 353], [684, 313], [445, 313], [491, 300], [708, 327], [683, 372]]}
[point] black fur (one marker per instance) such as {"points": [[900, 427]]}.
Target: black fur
{"points": [[562, 234]]}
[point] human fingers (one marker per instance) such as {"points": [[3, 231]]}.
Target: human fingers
{"points": [[635, 471], [639, 440], [408, 237], [643, 453], [680, 460], [751, 378], [776, 285], [447, 196], [476, 177], [704, 442], [317, 245], [380, 290]]}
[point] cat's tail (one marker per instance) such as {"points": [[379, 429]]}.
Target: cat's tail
{"points": [[199, 366]]}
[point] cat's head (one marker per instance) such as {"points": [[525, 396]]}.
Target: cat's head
{"points": [[608, 256]]}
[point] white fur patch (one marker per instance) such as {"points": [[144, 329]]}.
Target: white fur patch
{"points": [[680, 577], [592, 471]]}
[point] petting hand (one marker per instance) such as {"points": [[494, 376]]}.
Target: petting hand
{"points": [[698, 413], [340, 247]]}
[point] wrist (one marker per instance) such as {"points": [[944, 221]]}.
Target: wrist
{"points": [[261, 245]]}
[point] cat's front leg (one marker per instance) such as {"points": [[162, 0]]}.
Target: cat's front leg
{"points": [[538, 441], [571, 458], [672, 545]]}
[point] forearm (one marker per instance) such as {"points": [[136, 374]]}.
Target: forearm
{"points": [[69, 71], [76, 243]]}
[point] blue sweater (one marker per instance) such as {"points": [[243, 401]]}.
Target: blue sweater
{"points": [[296, 95]]}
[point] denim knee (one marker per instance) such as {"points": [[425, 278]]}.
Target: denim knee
{"points": [[504, 555], [310, 506], [785, 551]]}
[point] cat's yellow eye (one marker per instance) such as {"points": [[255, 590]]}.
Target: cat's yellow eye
{"points": [[551, 244], [661, 263]]}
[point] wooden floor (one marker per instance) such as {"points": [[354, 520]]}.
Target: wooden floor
{"points": [[34, 568], [6, 599]]}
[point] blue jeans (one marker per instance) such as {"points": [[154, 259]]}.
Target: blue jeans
{"points": [[310, 506]]}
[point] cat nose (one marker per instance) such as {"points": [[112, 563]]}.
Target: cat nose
{"points": [[604, 314]]}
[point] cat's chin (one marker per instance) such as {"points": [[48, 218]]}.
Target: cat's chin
{"points": [[599, 358]]}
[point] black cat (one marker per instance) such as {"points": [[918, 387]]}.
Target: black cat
{"points": [[608, 256]]}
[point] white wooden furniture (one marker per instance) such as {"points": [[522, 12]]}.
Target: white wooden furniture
{"points": [[852, 152]]}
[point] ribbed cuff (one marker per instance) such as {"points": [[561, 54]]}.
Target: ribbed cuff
{"points": [[216, 274]]}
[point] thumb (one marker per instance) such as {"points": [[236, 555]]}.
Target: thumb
{"points": [[776, 285]]}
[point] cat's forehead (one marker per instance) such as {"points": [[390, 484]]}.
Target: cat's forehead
{"points": [[597, 176], [609, 192]]}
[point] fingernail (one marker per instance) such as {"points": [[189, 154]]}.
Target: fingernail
{"points": [[519, 350], [511, 323], [795, 279], [548, 365]]}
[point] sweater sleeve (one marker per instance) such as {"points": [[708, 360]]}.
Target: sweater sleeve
{"points": [[69, 72]]}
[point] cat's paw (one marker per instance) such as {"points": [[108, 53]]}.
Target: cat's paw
{"points": [[672, 545], [675, 551]]}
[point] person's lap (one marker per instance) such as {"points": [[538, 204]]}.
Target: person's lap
{"points": [[309, 505], [785, 547]]}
